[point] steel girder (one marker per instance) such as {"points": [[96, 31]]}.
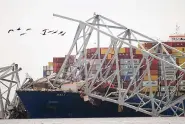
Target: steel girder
{"points": [[9, 79], [151, 103]]}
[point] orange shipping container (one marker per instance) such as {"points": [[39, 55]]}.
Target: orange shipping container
{"points": [[104, 50], [122, 50], [153, 77], [109, 56]]}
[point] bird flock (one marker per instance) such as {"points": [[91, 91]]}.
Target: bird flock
{"points": [[53, 32], [44, 31]]}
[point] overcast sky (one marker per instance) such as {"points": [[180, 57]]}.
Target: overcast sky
{"points": [[155, 18]]}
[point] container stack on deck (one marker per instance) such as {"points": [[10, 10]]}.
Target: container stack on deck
{"points": [[48, 70], [156, 74]]}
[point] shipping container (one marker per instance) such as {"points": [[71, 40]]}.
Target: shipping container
{"points": [[48, 73], [147, 89], [150, 83], [138, 51], [178, 44], [180, 60], [57, 65], [122, 50], [44, 73], [125, 78], [88, 51], [127, 66], [171, 83], [153, 77], [58, 59], [182, 88], [152, 72], [126, 73], [44, 68], [138, 56], [50, 63], [109, 56], [152, 67], [177, 54], [168, 43], [129, 61], [93, 50], [104, 50], [182, 83], [168, 88], [169, 77]]}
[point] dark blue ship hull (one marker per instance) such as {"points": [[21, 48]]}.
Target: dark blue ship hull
{"points": [[57, 104]]}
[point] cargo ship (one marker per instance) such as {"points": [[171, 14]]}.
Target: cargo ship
{"points": [[69, 102]]}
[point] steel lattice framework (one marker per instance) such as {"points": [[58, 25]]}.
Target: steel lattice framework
{"points": [[119, 36], [9, 78]]}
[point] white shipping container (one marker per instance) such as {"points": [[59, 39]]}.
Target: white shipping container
{"points": [[95, 61], [170, 77], [50, 67], [48, 73], [150, 83], [168, 88], [182, 82], [129, 61], [127, 72], [181, 88], [44, 68], [127, 66]]}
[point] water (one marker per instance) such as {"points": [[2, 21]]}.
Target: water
{"points": [[146, 120]]}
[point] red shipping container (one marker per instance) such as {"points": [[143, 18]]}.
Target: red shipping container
{"points": [[152, 67], [168, 43], [127, 50], [138, 56], [56, 70], [88, 51], [153, 62], [58, 59], [113, 67], [178, 44], [57, 65], [173, 83], [93, 50], [124, 56]]}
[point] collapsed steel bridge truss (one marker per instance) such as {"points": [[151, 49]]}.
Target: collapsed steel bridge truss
{"points": [[9, 79], [148, 102]]}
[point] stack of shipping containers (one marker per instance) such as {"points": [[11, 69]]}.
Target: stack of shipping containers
{"points": [[126, 72], [57, 63], [180, 60], [48, 70]]}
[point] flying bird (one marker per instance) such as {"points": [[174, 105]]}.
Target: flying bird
{"points": [[63, 34], [44, 33], [55, 32], [50, 31], [22, 34], [19, 29], [60, 32], [28, 29], [44, 29], [10, 30]]}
